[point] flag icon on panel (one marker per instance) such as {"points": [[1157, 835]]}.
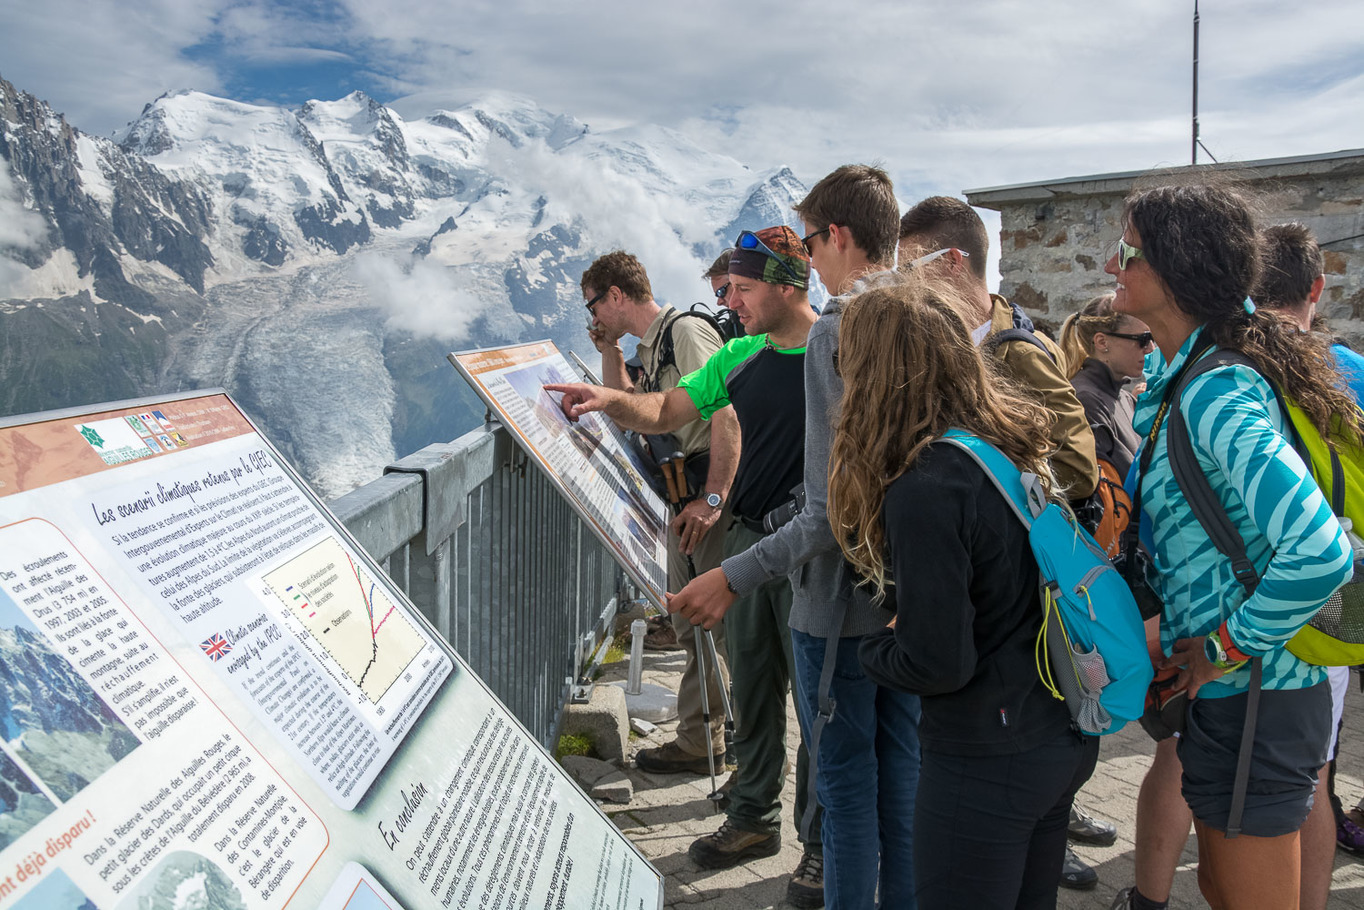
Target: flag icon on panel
{"points": [[216, 647]]}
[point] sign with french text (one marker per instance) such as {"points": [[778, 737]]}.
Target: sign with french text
{"points": [[588, 460]]}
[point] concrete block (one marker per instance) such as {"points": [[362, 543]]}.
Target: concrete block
{"points": [[586, 770], [603, 719], [654, 703], [614, 788], [641, 726]]}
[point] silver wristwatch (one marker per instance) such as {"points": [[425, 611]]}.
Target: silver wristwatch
{"points": [[714, 500]]}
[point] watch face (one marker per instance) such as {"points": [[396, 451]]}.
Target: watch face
{"points": [[1212, 651], [713, 500]]}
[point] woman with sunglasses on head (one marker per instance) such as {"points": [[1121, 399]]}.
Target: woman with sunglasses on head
{"points": [[1104, 349], [1186, 261], [1000, 762]]}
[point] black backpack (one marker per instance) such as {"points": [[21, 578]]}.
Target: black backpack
{"points": [[725, 324], [654, 448]]}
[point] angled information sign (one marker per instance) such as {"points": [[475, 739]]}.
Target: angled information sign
{"points": [[211, 695], [588, 461]]}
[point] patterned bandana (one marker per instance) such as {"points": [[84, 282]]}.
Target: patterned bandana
{"points": [[785, 260]]}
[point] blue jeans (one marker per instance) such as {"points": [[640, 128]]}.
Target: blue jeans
{"points": [[867, 777]]}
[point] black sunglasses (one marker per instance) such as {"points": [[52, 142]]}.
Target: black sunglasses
{"points": [[593, 302], [1142, 339], [811, 236], [749, 241], [721, 291]]}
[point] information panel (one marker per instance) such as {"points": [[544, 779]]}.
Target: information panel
{"points": [[211, 697], [588, 460]]}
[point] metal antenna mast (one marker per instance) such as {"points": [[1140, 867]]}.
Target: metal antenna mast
{"points": [[1194, 145]]}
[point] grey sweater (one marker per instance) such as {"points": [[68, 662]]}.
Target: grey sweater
{"points": [[805, 549]]}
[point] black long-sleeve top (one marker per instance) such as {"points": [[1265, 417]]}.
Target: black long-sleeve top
{"points": [[967, 612]]}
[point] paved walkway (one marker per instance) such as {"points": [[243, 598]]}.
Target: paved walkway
{"points": [[668, 812]]}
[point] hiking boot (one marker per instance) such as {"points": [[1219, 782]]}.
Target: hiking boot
{"points": [[661, 636], [1076, 873], [670, 759], [729, 847], [806, 888], [1350, 836], [1086, 829]]}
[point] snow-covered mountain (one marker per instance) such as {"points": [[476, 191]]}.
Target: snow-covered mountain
{"points": [[320, 262]]}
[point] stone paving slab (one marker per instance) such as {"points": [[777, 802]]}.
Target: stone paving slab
{"points": [[669, 811]]}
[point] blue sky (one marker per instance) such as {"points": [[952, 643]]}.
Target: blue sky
{"points": [[948, 97]]}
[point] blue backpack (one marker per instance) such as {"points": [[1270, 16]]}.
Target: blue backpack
{"points": [[1091, 649]]}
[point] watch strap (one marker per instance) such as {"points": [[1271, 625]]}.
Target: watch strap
{"points": [[1234, 654]]}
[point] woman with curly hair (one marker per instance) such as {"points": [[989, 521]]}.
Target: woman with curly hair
{"points": [[1186, 262], [1001, 763]]}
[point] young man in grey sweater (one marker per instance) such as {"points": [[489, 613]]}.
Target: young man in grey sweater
{"points": [[868, 751]]}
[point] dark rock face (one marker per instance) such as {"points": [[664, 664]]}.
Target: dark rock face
{"points": [[151, 217]]}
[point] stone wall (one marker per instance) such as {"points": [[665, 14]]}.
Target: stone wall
{"points": [[1055, 238]]}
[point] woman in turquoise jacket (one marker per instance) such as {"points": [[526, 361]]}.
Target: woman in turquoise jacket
{"points": [[1186, 262]]}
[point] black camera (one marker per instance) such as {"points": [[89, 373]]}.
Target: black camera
{"points": [[783, 513], [1132, 563]]}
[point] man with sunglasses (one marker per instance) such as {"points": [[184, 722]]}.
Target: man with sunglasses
{"points": [[946, 234], [620, 302], [867, 750], [762, 375]]}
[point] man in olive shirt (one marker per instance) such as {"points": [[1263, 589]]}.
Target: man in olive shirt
{"points": [[672, 345], [762, 376]]}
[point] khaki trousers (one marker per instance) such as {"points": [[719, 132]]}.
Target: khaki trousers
{"points": [[691, 729]]}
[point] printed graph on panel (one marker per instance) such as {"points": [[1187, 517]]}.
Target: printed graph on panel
{"points": [[348, 614]]}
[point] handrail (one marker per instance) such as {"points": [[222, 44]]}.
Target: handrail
{"points": [[497, 560]]}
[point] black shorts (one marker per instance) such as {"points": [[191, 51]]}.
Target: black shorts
{"points": [[1291, 732]]}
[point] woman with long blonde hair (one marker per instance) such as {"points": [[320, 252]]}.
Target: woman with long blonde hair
{"points": [[1001, 763]]}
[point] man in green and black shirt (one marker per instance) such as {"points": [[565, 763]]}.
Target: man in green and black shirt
{"points": [[762, 376]]}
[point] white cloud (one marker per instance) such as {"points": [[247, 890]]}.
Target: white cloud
{"points": [[979, 94], [617, 211], [100, 61], [21, 228], [422, 297]]}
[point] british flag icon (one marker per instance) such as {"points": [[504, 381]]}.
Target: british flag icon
{"points": [[216, 647]]}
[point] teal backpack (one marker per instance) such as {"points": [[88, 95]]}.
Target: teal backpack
{"points": [[1091, 649]]}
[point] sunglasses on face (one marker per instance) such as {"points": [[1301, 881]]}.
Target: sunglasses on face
{"points": [[595, 300], [1142, 339], [811, 236], [749, 241], [936, 254], [721, 291], [1126, 253]]}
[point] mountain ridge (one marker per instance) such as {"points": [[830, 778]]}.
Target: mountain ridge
{"points": [[318, 262]]}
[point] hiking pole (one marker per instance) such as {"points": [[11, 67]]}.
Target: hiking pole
{"points": [[724, 693], [674, 475]]}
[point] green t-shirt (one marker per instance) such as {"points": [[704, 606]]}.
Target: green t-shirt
{"points": [[766, 386], [708, 387]]}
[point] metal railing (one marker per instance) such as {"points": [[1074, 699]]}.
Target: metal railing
{"points": [[497, 560]]}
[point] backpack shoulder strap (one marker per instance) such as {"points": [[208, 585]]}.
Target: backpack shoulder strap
{"points": [[1194, 484], [1003, 336], [1022, 491]]}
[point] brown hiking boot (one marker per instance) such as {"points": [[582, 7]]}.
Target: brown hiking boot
{"points": [[729, 847], [670, 759], [806, 888], [661, 636]]}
